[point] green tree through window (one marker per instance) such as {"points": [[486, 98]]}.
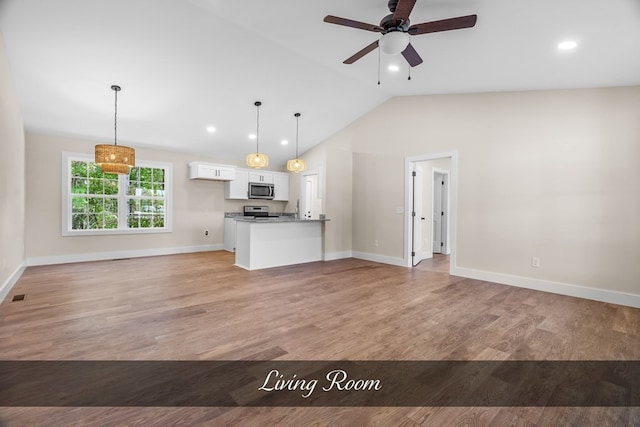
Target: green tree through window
{"points": [[119, 203]]}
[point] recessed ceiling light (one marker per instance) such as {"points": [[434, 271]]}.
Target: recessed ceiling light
{"points": [[252, 136], [394, 68], [567, 45], [284, 142], [211, 129]]}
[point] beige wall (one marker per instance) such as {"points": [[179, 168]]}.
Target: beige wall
{"points": [[197, 205], [12, 187], [553, 174]]}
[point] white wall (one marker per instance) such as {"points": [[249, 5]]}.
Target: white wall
{"points": [[197, 206], [12, 187], [553, 174]]}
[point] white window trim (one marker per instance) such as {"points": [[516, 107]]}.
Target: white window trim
{"points": [[66, 199]]}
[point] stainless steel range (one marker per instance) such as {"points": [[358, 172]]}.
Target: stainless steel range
{"points": [[258, 212]]}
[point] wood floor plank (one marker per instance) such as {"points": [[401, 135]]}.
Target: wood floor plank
{"points": [[200, 307]]}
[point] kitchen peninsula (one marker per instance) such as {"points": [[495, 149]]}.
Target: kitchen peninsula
{"points": [[273, 242]]}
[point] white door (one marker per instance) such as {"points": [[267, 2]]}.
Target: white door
{"points": [[310, 200], [418, 216]]}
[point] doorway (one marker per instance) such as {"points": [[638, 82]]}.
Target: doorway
{"points": [[430, 207]]}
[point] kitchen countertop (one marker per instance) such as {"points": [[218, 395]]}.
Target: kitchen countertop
{"points": [[278, 219]]}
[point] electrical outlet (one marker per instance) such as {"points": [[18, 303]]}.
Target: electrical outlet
{"points": [[375, 243], [535, 262], [206, 233]]}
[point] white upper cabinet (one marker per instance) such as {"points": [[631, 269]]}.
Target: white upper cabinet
{"points": [[239, 187], [281, 186], [200, 170], [264, 177]]}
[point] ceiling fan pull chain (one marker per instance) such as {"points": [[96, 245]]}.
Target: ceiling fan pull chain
{"points": [[378, 66]]}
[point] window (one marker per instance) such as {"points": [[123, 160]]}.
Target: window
{"points": [[97, 203]]}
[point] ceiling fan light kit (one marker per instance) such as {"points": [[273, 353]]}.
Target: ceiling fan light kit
{"points": [[394, 42], [396, 30]]}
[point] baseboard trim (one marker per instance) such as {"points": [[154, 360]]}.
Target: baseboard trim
{"points": [[101, 256], [379, 258], [602, 295], [8, 284], [331, 256]]}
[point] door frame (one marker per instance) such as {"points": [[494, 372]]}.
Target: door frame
{"points": [[409, 163]]}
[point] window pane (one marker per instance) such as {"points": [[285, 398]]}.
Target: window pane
{"points": [[96, 221], [111, 205], [110, 186], [79, 205], [158, 190], [96, 186], [110, 220], [145, 174], [134, 221], [134, 207], [79, 222], [158, 206], [145, 221], [158, 221], [94, 171], [96, 204], [78, 168], [158, 175], [79, 185]]}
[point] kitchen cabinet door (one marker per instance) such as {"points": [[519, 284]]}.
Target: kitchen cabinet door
{"points": [[263, 177], [281, 186], [239, 187]]}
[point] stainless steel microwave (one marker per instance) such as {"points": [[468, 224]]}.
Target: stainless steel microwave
{"points": [[261, 190]]}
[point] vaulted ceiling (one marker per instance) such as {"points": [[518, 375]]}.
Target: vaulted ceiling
{"points": [[185, 65]]}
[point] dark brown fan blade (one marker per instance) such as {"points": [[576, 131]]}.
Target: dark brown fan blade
{"points": [[353, 24], [411, 56], [403, 9], [361, 53], [444, 25]]}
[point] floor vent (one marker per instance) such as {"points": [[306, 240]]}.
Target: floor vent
{"points": [[19, 297]]}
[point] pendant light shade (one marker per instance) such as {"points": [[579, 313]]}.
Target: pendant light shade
{"points": [[257, 160], [296, 165], [115, 158]]}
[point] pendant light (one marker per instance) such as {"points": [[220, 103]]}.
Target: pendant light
{"points": [[115, 158], [257, 160], [296, 165]]}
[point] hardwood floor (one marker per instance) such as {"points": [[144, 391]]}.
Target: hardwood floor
{"points": [[200, 307]]}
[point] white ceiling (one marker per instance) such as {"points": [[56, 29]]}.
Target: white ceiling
{"points": [[186, 64]]}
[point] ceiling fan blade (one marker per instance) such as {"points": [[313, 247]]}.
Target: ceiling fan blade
{"points": [[353, 24], [412, 57], [361, 53], [403, 9], [444, 25]]}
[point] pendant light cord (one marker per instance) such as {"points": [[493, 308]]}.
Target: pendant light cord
{"points": [[297, 131], [115, 120], [116, 89], [257, 104], [378, 66]]}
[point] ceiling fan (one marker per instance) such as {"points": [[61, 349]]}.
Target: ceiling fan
{"points": [[396, 29]]}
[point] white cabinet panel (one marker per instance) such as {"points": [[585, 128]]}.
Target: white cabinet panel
{"points": [[239, 187], [265, 177], [199, 170], [281, 186]]}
